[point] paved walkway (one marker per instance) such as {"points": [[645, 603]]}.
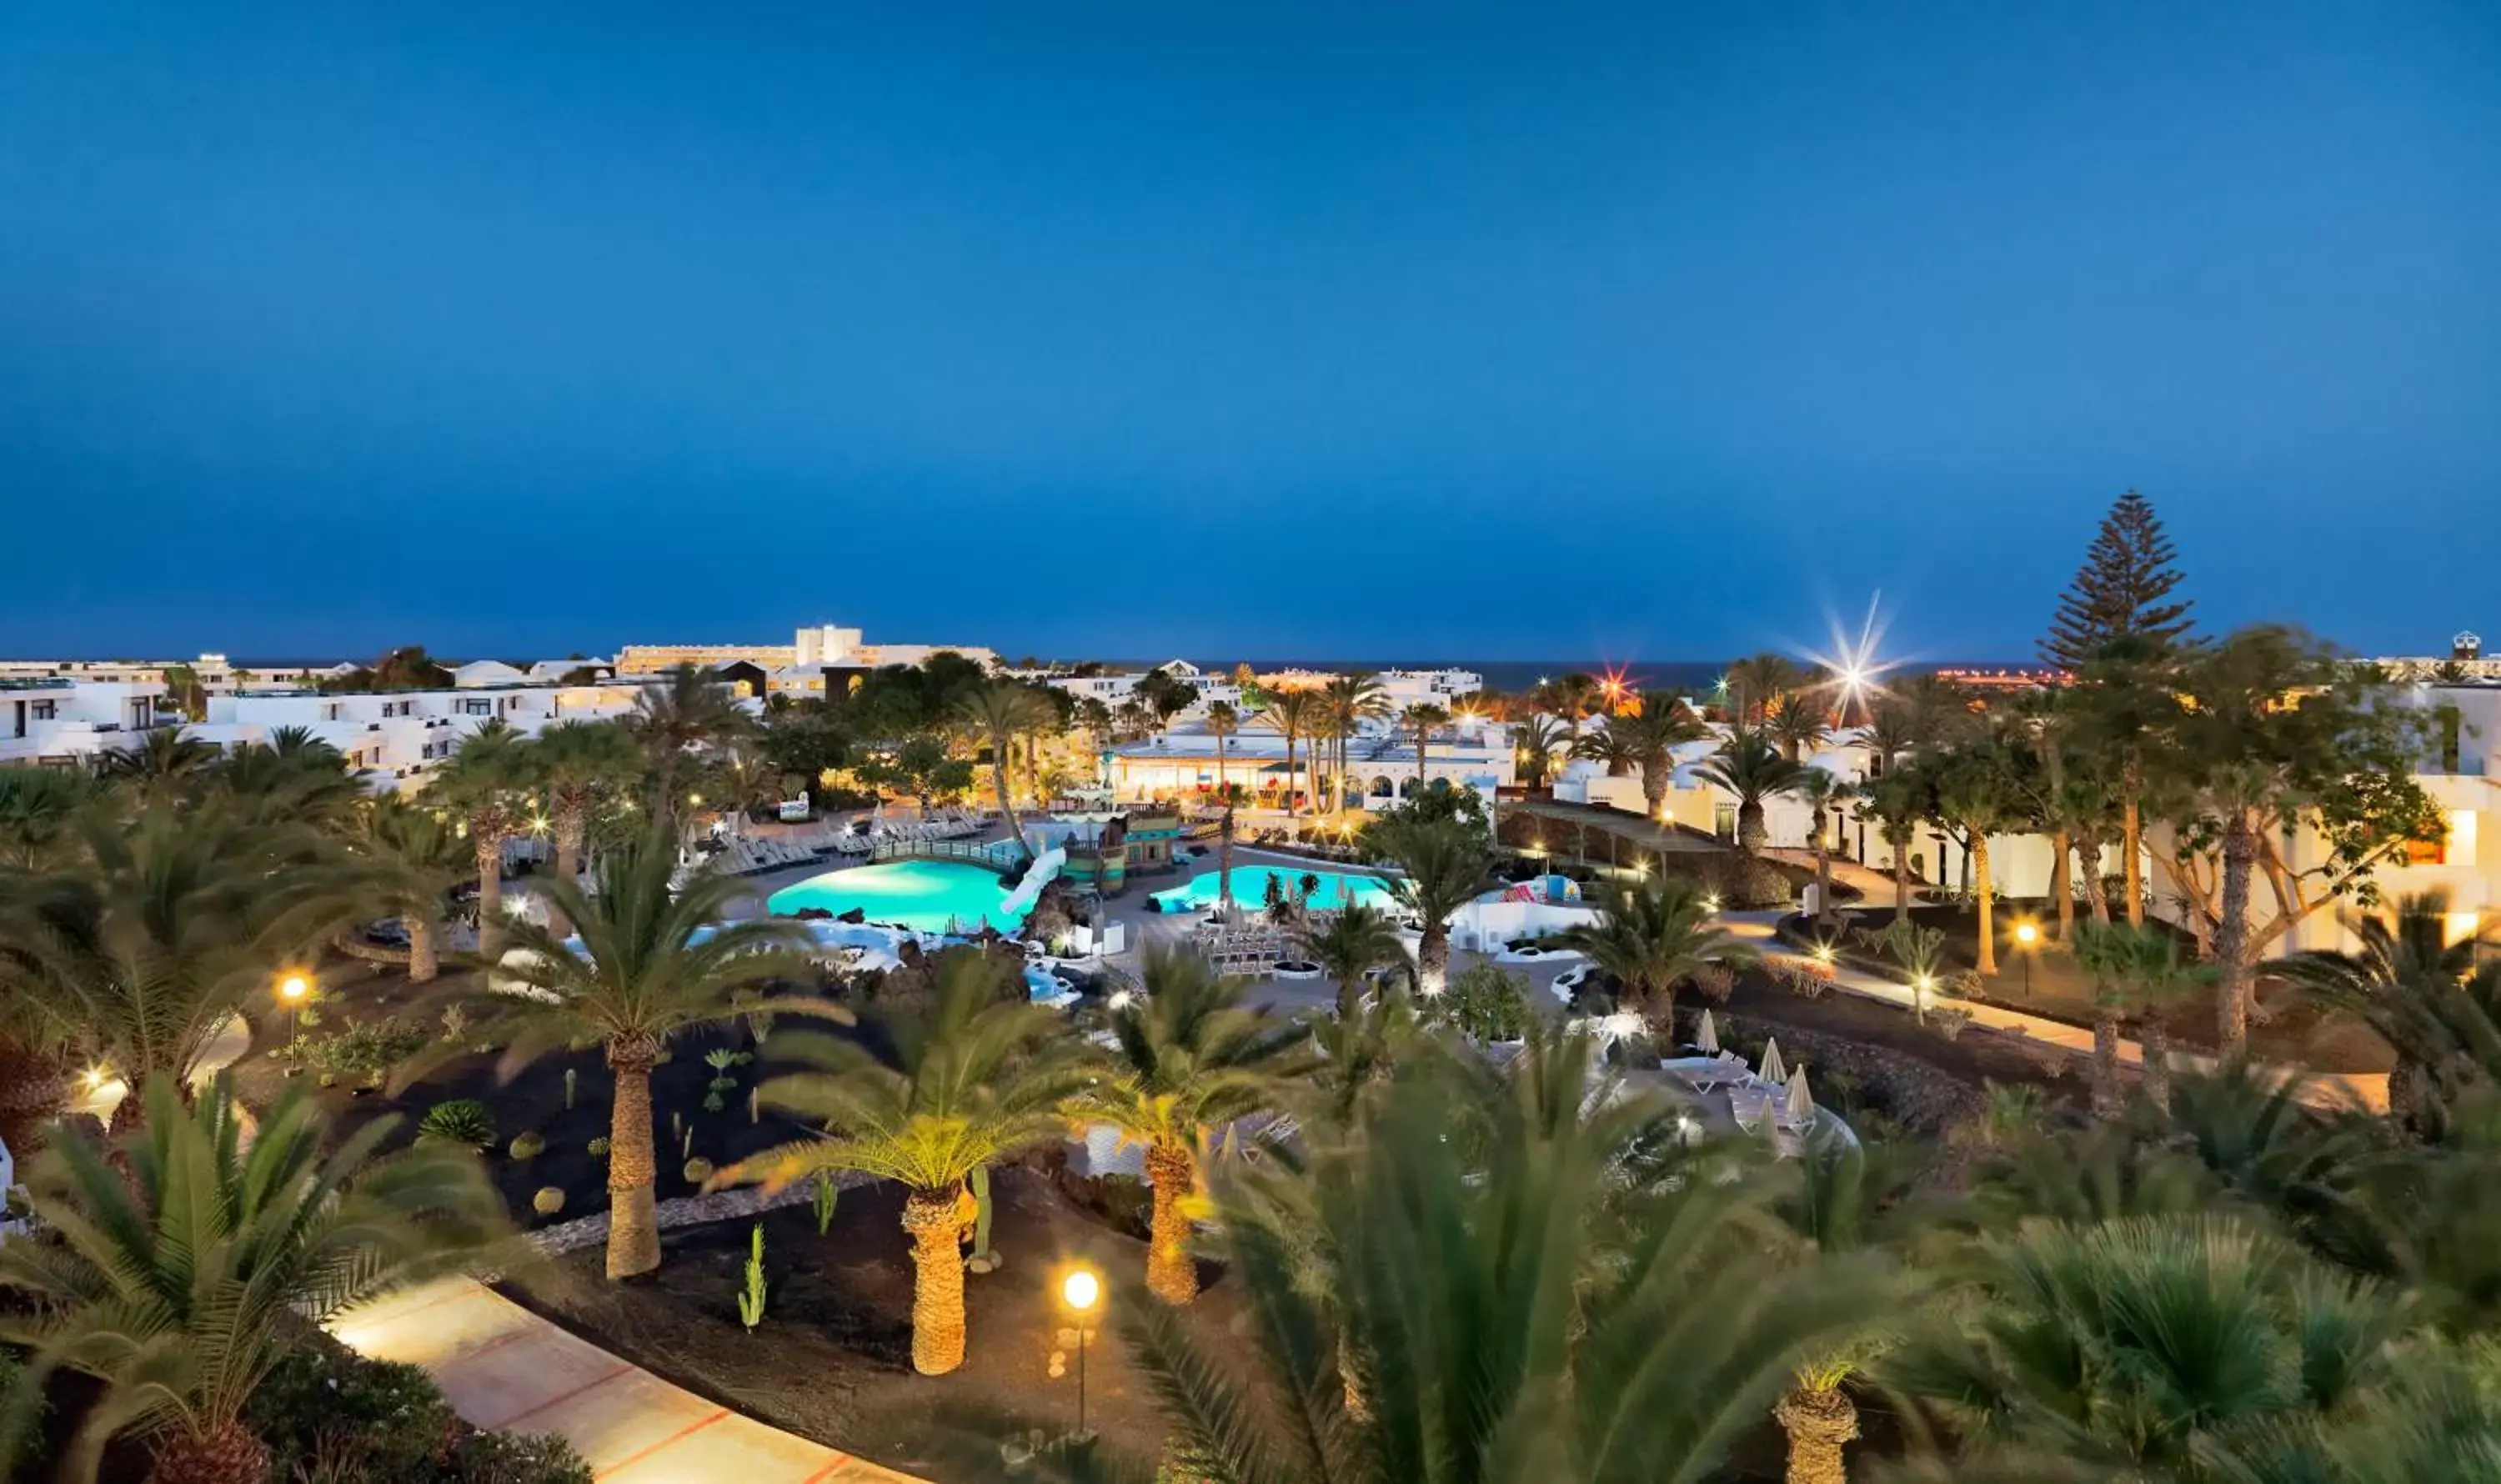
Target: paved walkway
{"points": [[505, 1369], [2326, 1090]]}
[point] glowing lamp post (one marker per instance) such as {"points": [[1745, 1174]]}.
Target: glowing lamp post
{"points": [[1080, 1290], [2026, 937], [294, 987]]}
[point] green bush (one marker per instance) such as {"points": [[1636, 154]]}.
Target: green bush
{"points": [[548, 1201], [698, 1169], [527, 1146], [367, 1050], [459, 1121], [327, 1413], [1486, 1004]]}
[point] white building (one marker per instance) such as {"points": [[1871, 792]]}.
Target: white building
{"points": [[1381, 766], [58, 720], [818, 647], [397, 737], [214, 673]]}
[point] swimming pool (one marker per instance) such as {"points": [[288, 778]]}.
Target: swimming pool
{"points": [[924, 894], [1251, 888]]}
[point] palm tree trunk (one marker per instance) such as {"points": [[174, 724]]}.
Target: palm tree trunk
{"points": [[1224, 863], [2153, 1042], [221, 1453], [489, 847], [1171, 1275], [2062, 887], [2106, 1100], [2232, 934], [1901, 881], [1819, 1422], [1751, 834], [1433, 960], [633, 1229], [1007, 801], [1291, 810], [572, 828], [932, 1220], [1977, 859], [1822, 873], [424, 952]]}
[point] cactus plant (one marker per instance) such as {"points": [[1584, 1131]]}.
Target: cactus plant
{"points": [[458, 1120], [548, 1201], [572, 1075], [823, 1193], [698, 1169], [598, 1147], [527, 1146], [750, 1300]]}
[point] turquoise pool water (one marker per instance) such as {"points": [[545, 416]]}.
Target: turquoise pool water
{"points": [[1251, 888], [926, 894]]}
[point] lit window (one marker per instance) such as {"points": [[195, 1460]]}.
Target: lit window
{"points": [[2461, 836], [2457, 926]]}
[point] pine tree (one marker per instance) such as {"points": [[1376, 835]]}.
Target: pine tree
{"points": [[2121, 591]]}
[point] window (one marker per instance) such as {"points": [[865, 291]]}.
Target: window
{"points": [[1723, 820], [45, 711], [477, 708]]}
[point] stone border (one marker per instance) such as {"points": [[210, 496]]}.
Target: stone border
{"points": [[685, 1211]]}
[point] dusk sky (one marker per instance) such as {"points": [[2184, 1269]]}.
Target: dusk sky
{"points": [[1351, 330]]}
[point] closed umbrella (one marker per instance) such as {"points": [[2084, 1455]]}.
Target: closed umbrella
{"points": [[1707, 1038], [1772, 1071], [1800, 1107]]}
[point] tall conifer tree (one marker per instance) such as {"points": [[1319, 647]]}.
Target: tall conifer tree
{"points": [[2121, 592]]}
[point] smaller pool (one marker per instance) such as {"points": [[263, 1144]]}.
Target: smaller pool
{"points": [[1251, 888], [929, 896]]}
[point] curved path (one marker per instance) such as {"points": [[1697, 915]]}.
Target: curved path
{"points": [[505, 1369]]}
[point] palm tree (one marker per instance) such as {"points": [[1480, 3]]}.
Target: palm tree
{"points": [[1976, 793], [1797, 726], [1539, 738], [653, 963], [1748, 766], [1492, 1306], [1653, 934], [291, 776], [168, 764], [1223, 722], [1442, 867], [685, 711], [1421, 719], [1349, 702], [492, 782], [1607, 746], [1850, 1197], [1350, 943], [1757, 684], [1650, 737], [2423, 996], [1293, 713], [1190, 1058], [411, 857], [1002, 710], [38, 808], [582, 764], [972, 1078], [2138, 973], [181, 1277], [1897, 804], [1825, 793], [175, 923]]}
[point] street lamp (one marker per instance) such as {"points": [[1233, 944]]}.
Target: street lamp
{"points": [[294, 986], [2026, 935], [1080, 1290]]}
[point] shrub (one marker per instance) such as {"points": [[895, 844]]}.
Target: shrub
{"points": [[367, 1050], [326, 1413], [527, 1146], [698, 1169], [548, 1201], [597, 1148], [1486, 1004], [532, 1458], [1948, 1023], [460, 1121]]}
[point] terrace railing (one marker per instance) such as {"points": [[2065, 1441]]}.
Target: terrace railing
{"points": [[1001, 855]]}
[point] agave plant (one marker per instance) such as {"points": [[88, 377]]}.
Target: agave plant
{"points": [[174, 1283]]}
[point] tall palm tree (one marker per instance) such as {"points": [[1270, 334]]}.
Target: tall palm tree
{"points": [[1976, 793], [410, 858], [1759, 681], [1349, 702], [1223, 720], [1002, 712], [492, 783], [1827, 794], [1442, 867], [1650, 737], [1897, 804], [1653, 934], [1490, 1308], [1350, 943], [2422, 994], [1748, 766], [175, 922], [180, 1279], [584, 764], [1607, 746], [1294, 714], [654, 962], [971, 1077], [1539, 739], [1798, 725], [686, 711], [1189, 1059], [1421, 719]]}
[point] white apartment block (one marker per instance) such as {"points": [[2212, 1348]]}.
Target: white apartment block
{"points": [[399, 737], [59, 722]]}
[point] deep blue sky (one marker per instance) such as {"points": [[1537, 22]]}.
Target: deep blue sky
{"points": [[1644, 330]]}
